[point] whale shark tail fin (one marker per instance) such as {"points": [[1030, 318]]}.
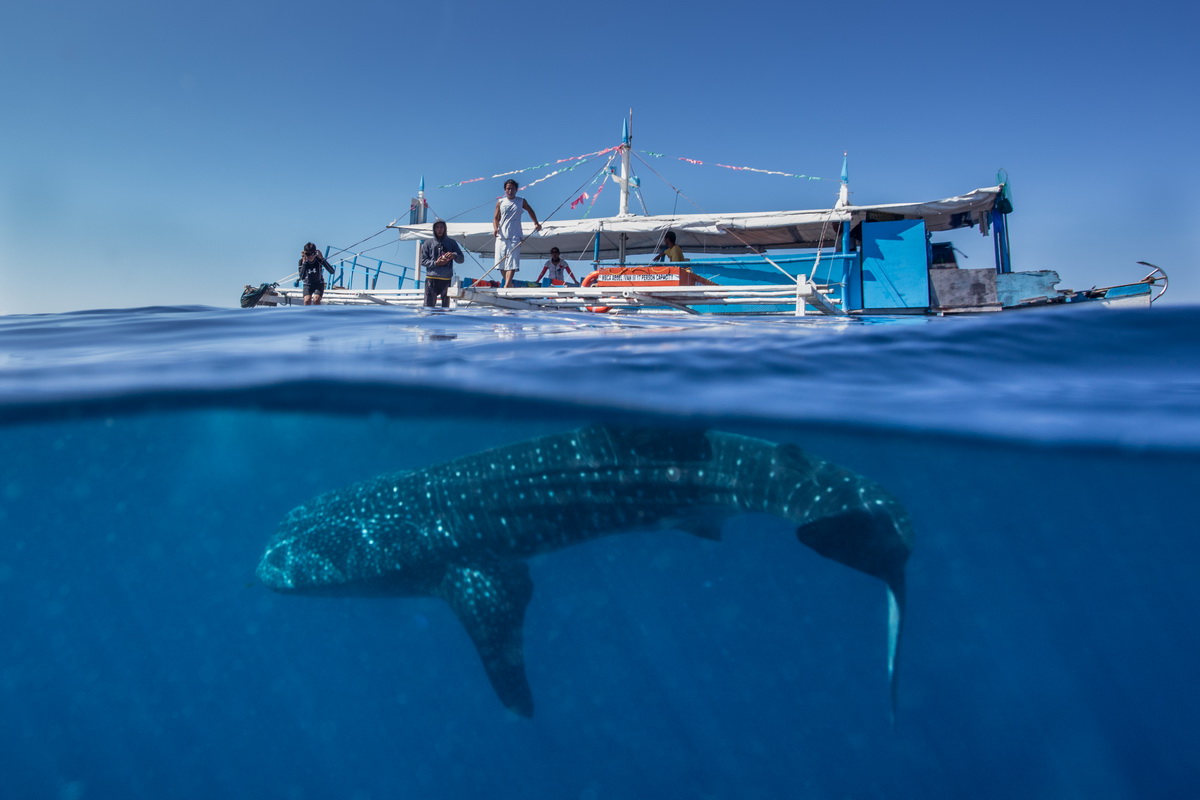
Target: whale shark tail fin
{"points": [[875, 544], [895, 629], [490, 599]]}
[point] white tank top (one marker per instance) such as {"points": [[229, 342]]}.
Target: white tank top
{"points": [[510, 218]]}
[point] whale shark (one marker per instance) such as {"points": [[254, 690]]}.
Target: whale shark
{"points": [[462, 530]]}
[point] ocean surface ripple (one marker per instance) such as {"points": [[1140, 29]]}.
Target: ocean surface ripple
{"points": [[1092, 377]]}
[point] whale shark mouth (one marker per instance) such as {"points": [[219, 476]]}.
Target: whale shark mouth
{"points": [[273, 569]]}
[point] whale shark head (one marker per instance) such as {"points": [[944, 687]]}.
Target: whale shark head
{"points": [[298, 556], [323, 547]]}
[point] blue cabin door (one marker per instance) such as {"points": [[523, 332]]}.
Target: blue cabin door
{"points": [[895, 265]]}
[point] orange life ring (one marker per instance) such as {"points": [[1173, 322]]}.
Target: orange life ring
{"points": [[588, 281]]}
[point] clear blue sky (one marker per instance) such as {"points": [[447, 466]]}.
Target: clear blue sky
{"points": [[156, 153]]}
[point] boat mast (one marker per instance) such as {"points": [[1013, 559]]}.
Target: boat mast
{"points": [[626, 140], [844, 191], [416, 216], [623, 181]]}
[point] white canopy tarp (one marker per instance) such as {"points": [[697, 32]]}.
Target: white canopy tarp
{"points": [[713, 233]]}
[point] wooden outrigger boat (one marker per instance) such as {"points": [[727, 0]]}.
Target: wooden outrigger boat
{"points": [[855, 260]]}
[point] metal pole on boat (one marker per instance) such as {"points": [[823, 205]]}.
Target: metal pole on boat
{"points": [[416, 216], [848, 271], [844, 200], [844, 190], [626, 141], [1000, 225], [626, 147]]}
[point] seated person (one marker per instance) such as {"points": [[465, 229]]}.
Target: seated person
{"points": [[670, 250], [555, 266]]}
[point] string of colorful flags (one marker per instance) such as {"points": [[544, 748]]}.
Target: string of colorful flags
{"points": [[602, 175], [587, 156], [603, 178], [698, 162], [549, 175], [580, 159]]}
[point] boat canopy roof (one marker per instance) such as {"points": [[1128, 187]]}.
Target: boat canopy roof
{"points": [[764, 230]]}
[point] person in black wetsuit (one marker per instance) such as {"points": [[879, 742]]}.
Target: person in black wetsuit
{"points": [[312, 264]]}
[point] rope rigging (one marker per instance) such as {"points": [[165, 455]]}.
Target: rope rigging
{"points": [[600, 176], [549, 216], [750, 248]]}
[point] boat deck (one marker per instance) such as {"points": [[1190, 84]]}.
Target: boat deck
{"points": [[803, 298]]}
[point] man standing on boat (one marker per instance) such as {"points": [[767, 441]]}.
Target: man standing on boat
{"points": [[436, 257], [506, 227], [556, 266], [310, 271]]}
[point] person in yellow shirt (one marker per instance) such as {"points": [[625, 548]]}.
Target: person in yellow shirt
{"points": [[670, 250]]}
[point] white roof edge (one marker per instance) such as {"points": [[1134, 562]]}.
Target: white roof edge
{"points": [[712, 232]]}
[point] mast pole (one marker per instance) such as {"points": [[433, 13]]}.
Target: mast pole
{"points": [[626, 140], [417, 217], [844, 190]]}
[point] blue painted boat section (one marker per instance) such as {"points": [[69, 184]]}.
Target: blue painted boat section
{"points": [[1132, 290], [895, 265]]}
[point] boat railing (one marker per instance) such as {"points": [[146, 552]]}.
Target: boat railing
{"points": [[351, 269], [829, 270]]}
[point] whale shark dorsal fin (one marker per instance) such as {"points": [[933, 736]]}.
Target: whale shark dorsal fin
{"points": [[490, 599], [656, 444], [795, 458]]}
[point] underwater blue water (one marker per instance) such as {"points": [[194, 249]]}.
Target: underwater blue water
{"points": [[1050, 463]]}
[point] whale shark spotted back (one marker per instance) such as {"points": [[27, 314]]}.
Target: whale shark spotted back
{"points": [[462, 530]]}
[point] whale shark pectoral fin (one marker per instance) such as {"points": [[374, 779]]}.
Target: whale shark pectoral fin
{"points": [[490, 600]]}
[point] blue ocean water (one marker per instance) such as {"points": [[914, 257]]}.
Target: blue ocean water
{"points": [[1049, 461]]}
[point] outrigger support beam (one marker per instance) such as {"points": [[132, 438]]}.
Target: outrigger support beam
{"points": [[818, 299], [490, 298], [678, 298], [648, 299]]}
